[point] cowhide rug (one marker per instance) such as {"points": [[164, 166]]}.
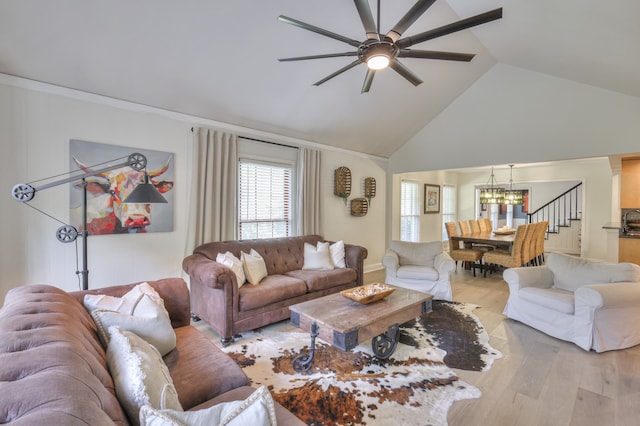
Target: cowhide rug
{"points": [[415, 386]]}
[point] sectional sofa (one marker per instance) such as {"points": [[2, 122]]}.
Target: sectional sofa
{"points": [[54, 370]]}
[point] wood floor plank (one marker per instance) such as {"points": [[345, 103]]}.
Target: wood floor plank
{"points": [[627, 409], [592, 409]]}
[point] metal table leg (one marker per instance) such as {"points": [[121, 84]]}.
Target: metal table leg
{"points": [[385, 344], [303, 362]]}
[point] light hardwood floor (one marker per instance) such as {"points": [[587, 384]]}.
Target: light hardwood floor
{"points": [[540, 380]]}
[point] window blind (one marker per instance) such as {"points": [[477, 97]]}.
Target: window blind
{"points": [[264, 200]]}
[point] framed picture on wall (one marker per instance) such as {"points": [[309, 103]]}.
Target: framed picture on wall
{"points": [[431, 198], [107, 214]]}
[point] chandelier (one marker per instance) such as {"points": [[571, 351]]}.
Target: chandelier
{"points": [[492, 194], [512, 196]]}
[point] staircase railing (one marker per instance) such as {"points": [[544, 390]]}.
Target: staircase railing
{"points": [[561, 210]]}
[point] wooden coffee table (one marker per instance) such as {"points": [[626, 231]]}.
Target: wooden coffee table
{"points": [[344, 323]]}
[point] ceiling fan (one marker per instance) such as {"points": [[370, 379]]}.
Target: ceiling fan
{"points": [[381, 50]]}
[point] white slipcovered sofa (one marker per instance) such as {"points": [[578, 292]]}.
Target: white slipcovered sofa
{"points": [[422, 267], [594, 304]]}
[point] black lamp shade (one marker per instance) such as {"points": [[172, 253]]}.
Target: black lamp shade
{"points": [[145, 193]]}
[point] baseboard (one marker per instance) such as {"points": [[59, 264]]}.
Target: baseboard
{"points": [[564, 251], [373, 268]]}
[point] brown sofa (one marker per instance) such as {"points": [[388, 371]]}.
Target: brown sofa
{"points": [[53, 369], [216, 298]]}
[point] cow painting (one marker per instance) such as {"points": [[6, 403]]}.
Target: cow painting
{"points": [[106, 211]]}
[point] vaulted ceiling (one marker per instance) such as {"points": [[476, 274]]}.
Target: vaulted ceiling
{"points": [[218, 59]]}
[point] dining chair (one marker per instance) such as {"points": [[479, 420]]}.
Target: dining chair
{"points": [[506, 258], [485, 225], [528, 245], [539, 229], [470, 256], [464, 227], [474, 225], [539, 248]]}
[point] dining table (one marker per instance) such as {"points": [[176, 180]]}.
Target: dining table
{"points": [[498, 239], [502, 239]]}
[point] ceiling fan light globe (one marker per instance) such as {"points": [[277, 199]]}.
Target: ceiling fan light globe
{"points": [[378, 62]]}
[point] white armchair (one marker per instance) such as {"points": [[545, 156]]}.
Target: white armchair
{"points": [[595, 305], [422, 267]]}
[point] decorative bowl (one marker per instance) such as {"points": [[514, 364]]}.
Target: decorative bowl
{"points": [[368, 293]]}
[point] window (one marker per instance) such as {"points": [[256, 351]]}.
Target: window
{"points": [[448, 207], [409, 211], [264, 200]]}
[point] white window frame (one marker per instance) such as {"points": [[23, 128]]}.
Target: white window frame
{"points": [[449, 207], [410, 209], [250, 213]]}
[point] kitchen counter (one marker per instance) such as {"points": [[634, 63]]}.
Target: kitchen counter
{"points": [[617, 226], [612, 225]]}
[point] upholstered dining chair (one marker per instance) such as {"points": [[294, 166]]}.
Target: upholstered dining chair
{"points": [[541, 232], [465, 255], [532, 256], [475, 229], [538, 229], [505, 258], [528, 245], [485, 225], [464, 227]]}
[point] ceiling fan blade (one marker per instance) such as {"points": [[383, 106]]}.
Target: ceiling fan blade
{"points": [[364, 10], [405, 72], [313, 28], [430, 54], [409, 18], [368, 79], [340, 71], [450, 28], [328, 55]]}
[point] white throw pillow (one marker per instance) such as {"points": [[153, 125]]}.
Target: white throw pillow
{"points": [[257, 410], [318, 257], [140, 311], [254, 267], [337, 254], [570, 272], [140, 375], [124, 304], [233, 263]]}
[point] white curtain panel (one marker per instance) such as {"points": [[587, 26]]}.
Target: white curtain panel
{"points": [[309, 191], [213, 196]]}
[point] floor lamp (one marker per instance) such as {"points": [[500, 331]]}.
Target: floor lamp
{"points": [[144, 193]]}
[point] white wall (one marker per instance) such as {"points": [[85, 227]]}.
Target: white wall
{"points": [[36, 123], [36, 135], [511, 115], [367, 231], [430, 223]]}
